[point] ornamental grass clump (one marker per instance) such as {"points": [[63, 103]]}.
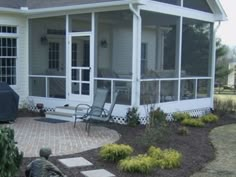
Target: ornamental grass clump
{"points": [[115, 152], [137, 164], [165, 159], [209, 118], [193, 122], [180, 116]]}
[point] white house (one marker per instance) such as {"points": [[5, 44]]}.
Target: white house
{"points": [[160, 52], [232, 75]]}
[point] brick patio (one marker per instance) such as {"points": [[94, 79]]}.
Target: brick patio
{"points": [[62, 138]]}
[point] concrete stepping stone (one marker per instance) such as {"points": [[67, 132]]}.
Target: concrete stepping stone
{"points": [[75, 162], [97, 173]]}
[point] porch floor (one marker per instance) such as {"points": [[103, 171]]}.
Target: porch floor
{"points": [[62, 138]]}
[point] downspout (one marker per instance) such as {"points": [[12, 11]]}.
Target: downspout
{"points": [[214, 63], [136, 55]]}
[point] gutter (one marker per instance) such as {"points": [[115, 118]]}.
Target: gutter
{"points": [[26, 11]]}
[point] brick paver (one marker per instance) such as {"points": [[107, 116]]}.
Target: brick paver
{"points": [[62, 138]]}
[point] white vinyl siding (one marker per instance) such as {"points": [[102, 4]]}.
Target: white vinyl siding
{"points": [[21, 37]]}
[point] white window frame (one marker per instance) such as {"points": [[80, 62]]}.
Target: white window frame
{"points": [[9, 32]]}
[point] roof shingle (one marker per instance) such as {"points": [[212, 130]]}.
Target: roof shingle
{"points": [[36, 4]]}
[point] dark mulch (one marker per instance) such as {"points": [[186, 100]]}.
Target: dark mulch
{"points": [[27, 113], [196, 149]]}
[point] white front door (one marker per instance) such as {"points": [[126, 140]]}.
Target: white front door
{"points": [[80, 86]]}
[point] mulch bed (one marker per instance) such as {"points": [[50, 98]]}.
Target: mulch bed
{"points": [[196, 148]]}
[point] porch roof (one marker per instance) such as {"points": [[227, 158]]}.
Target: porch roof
{"points": [[39, 6]]}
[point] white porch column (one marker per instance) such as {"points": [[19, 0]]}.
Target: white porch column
{"points": [[213, 63], [178, 58], [67, 56], [136, 56]]}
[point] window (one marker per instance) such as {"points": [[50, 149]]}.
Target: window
{"points": [[143, 58], [8, 29], [8, 55], [53, 55]]}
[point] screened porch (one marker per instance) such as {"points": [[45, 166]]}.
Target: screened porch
{"points": [[70, 56]]}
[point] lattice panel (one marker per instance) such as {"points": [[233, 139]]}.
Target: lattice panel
{"points": [[119, 120], [144, 120], [193, 113], [34, 108]]}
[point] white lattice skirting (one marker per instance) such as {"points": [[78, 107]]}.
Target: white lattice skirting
{"points": [[144, 120], [169, 117]]}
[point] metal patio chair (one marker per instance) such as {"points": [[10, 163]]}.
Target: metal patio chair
{"points": [[106, 115], [103, 116], [95, 109]]}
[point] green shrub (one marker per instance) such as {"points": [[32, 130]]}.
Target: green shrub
{"points": [[10, 158], [157, 128], [168, 158], [180, 116], [209, 118], [115, 152], [157, 118], [139, 164], [132, 117], [183, 130], [193, 122]]}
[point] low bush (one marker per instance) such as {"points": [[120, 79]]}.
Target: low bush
{"points": [[156, 130], [115, 152], [132, 117], [168, 158], [171, 159], [139, 164], [157, 118], [193, 122], [209, 118], [183, 130], [11, 158], [180, 116]]}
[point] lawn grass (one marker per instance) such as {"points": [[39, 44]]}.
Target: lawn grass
{"points": [[225, 97]]}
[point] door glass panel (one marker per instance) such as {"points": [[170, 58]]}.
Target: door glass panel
{"points": [[80, 51], [85, 89], [75, 88], [85, 75], [75, 74]]}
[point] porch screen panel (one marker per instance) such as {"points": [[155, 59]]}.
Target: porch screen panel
{"points": [[169, 91], [114, 44], [47, 57], [113, 63], [203, 88], [196, 48], [201, 5], [80, 23], [188, 88], [175, 2], [47, 54], [149, 92], [159, 45]]}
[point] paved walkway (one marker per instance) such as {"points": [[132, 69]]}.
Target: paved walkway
{"points": [[224, 141], [62, 138]]}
